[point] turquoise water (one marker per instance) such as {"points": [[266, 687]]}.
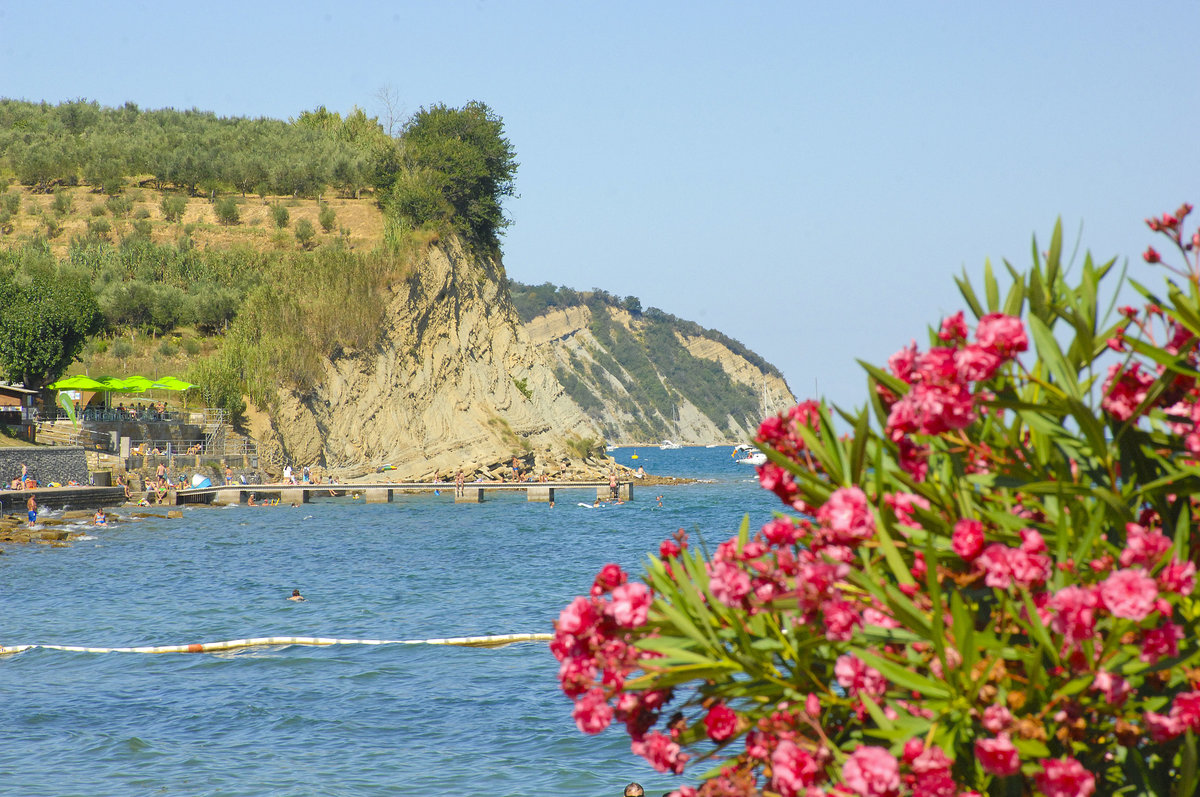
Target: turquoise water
{"points": [[342, 720]]}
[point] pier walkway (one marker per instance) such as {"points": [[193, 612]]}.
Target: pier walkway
{"points": [[383, 492]]}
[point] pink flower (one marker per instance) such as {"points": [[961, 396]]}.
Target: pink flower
{"points": [[728, 582], [630, 604], [611, 575], [1187, 709], [1125, 390], [592, 712], [998, 756], [903, 505], [1160, 642], [901, 363], [872, 772], [856, 676], [1142, 546], [974, 363], [793, 769], [967, 538], [1073, 613], [1178, 577], [847, 515], [1129, 594], [1003, 334], [720, 722], [1065, 777], [953, 328], [662, 753], [1162, 727], [997, 573], [579, 616], [1114, 688], [781, 531], [841, 618], [996, 718]]}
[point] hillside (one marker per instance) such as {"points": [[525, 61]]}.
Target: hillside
{"points": [[352, 323], [648, 376]]}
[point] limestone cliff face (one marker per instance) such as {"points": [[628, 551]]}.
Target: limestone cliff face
{"points": [[454, 381], [568, 339]]}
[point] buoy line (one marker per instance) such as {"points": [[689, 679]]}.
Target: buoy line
{"points": [[494, 641]]}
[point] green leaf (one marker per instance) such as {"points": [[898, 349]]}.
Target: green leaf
{"points": [[1052, 356], [903, 677]]}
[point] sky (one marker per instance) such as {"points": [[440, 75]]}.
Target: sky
{"points": [[807, 178]]}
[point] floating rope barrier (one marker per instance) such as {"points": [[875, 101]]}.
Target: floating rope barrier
{"points": [[495, 641]]}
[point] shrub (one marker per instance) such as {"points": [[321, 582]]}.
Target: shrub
{"points": [[142, 227], [63, 202], [327, 217], [280, 215], [987, 586], [305, 233], [121, 348], [167, 349], [119, 205], [97, 210], [173, 206], [99, 227], [113, 186], [226, 211], [142, 213], [11, 202]]}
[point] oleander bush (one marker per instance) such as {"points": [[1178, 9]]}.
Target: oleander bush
{"points": [[985, 587]]}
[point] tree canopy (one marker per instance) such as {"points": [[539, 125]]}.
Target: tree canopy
{"points": [[46, 315], [456, 166]]}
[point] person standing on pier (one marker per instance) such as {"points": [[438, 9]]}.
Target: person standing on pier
{"points": [[612, 485], [458, 482]]}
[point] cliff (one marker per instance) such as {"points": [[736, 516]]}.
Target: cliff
{"points": [[454, 381], [643, 379]]}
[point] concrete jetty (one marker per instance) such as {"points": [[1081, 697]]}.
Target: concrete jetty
{"points": [[385, 492]]}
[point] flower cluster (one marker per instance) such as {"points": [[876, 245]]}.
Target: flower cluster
{"points": [[990, 591]]}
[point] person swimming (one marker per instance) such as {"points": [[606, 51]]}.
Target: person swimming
{"points": [[296, 596]]}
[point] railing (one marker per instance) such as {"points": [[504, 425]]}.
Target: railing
{"points": [[115, 415]]}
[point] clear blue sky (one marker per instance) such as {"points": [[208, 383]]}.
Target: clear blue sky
{"points": [[805, 177]]}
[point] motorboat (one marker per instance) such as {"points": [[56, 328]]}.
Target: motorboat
{"points": [[667, 445], [746, 454]]}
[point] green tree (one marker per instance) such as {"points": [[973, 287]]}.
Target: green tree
{"points": [[462, 155], [44, 322], [327, 217], [227, 211], [305, 233], [280, 215]]}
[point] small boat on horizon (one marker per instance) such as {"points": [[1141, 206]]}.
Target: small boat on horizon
{"points": [[667, 445]]}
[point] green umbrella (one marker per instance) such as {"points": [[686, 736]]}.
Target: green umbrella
{"points": [[171, 383], [78, 383], [134, 384]]}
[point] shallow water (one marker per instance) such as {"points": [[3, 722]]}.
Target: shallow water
{"points": [[341, 720]]}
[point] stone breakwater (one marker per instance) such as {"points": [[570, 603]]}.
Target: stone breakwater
{"points": [[59, 464]]}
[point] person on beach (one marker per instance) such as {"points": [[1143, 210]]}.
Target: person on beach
{"points": [[296, 596], [124, 485], [634, 790], [101, 519], [31, 507]]}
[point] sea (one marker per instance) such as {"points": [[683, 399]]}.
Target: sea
{"points": [[344, 719]]}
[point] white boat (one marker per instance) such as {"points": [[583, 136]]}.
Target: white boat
{"points": [[746, 454], [667, 445]]}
